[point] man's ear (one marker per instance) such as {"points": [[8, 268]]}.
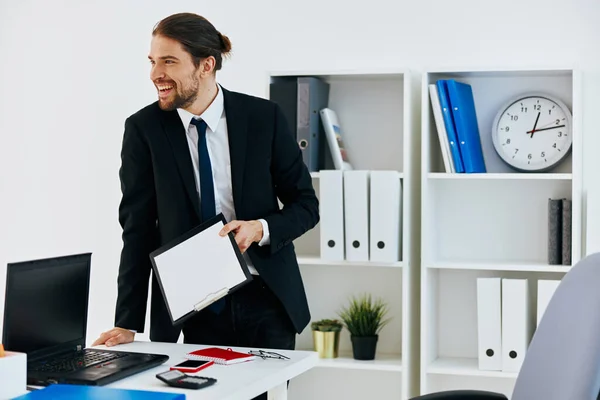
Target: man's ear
{"points": [[207, 66]]}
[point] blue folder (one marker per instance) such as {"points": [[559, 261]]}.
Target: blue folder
{"points": [[77, 392], [465, 121], [449, 124]]}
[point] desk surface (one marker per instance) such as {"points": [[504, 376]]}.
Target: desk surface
{"points": [[237, 381]]}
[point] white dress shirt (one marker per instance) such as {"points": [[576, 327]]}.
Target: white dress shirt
{"points": [[218, 149]]}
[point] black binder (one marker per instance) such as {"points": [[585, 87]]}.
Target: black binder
{"points": [[199, 268], [301, 99]]}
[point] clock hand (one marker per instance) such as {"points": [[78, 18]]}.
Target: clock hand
{"points": [[534, 125], [548, 124], [545, 129]]}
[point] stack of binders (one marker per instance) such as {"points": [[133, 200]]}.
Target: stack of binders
{"points": [[456, 121], [559, 231], [506, 320], [361, 215], [301, 98]]}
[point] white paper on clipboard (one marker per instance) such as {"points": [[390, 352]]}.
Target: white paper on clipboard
{"points": [[199, 268]]}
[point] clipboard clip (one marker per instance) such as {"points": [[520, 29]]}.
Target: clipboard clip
{"points": [[211, 298]]}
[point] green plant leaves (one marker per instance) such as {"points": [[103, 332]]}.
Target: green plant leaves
{"points": [[364, 316], [327, 325]]}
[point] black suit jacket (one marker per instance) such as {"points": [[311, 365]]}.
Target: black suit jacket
{"points": [[160, 203]]}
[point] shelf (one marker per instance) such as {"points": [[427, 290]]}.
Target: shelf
{"points": [[500, 266], [356, 96], [316, 175], [383, 362], [464, 367], [505, 176], [363, 74], [321, 262], [476, 72], [491, 221], [486, 225]]}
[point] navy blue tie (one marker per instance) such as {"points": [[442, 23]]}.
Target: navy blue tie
{"points": [[207, 189]]}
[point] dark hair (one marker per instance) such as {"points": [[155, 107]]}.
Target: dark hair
{"points": [[197, 36]]}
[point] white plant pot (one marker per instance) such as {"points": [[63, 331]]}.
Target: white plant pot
{"points": [[13, 375]]}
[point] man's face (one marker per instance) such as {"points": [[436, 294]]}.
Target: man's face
{"points": [[173, 73]]}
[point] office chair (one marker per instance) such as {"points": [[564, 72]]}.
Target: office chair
{"points": [[563, 358]]}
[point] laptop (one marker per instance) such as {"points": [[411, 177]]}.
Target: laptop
{"points": [[45, 316]]}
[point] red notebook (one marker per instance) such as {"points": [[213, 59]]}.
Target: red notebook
{"points": [[220, 356]]}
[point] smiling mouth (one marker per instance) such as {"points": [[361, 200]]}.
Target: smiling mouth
{"points": [[164, 90]]}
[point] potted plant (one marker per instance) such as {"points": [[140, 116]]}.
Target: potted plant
{"points": [[364, 318], [326, 337]]}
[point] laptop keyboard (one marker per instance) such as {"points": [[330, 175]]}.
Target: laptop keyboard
{"points": [[77, 361]]}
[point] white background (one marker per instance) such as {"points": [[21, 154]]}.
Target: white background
{"points": [[72, 71]]}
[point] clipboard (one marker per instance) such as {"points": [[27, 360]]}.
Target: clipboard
{"points": [[199, 268]]}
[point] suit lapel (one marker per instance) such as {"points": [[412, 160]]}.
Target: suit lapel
{"points": [[237, 130], [177, 138]]}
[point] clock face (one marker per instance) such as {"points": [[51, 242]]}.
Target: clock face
{"points": [[533, 133]]}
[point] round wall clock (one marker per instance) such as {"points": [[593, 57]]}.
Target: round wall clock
{"points": [[533, 132]]}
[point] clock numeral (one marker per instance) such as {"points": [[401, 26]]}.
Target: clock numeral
{"points": [[508, 141], [523, 109], [507, 128], [514, 117], [560, 134], [543, 154], [516, 151], [557, 121], [549, 112], [537, 107], [554, 145], [529, 156]]}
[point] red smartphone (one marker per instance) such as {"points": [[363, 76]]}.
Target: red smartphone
{"points": [[192, 365]]}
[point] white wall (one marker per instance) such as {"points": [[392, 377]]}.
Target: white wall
{"points": [[72, 71]]}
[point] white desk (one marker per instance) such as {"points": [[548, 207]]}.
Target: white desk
{"points": [[234, 382]]}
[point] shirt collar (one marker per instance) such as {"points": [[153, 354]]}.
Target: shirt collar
{"points": [[212, 115]]}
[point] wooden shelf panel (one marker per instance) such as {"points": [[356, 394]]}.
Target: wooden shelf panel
{"points": [[500, 266], [382, 362], [500, 176], [321, 262], [317, 175], [464, 367]]}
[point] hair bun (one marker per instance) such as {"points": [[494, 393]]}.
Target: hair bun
{"points": [[226, 43]]}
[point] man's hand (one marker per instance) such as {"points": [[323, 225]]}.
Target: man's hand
{"points": [[245, 233], [114, 337]]}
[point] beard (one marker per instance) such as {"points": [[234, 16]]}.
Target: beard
{"points": [[181, 98]]}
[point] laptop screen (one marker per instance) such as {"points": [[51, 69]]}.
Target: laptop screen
{"points": [[46, 304]]}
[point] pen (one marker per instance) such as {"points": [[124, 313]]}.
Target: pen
{"points": [[1, 350]]}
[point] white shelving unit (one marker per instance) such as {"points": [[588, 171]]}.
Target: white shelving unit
{"points": [[377, 111], [486, 225]]}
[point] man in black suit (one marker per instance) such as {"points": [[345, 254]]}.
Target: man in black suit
{"points": [[200, 150]]}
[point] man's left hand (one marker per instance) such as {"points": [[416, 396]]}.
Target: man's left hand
{"points": [[245, 232]]}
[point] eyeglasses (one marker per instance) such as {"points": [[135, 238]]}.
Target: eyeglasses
{"points": [[268, 354]]}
